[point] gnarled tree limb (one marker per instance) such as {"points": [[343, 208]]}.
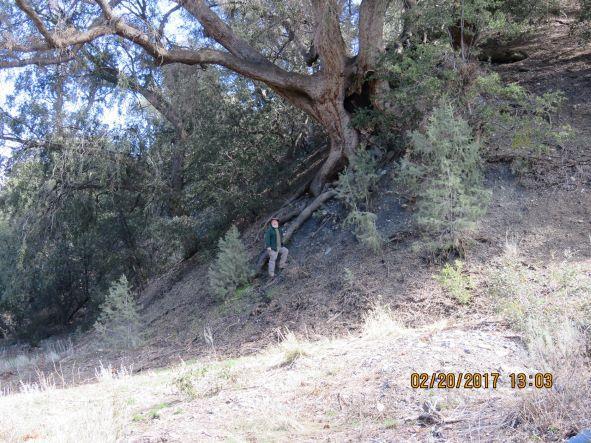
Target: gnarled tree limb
{"points": [[306, 213]]}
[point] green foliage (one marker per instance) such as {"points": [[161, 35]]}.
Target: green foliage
{"points": [[444, 169], [585, 10], [231, 269], [82, 203], [206, 381], [582, 28], [418, 78], [63, 216], [354, 189], [357, 181], [455, 281], [119, 323], [363, 225], [530, 10], [502, 115], [82, 207], [152, 414], [241, 147], [435, 18], [509, 115]]}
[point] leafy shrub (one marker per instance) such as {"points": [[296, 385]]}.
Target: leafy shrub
{"points": [[418, 78], [502, 115], [528, 123], [456, 282], [355, 184], [354, 189], [231, 269], [434, 18], [119, 320], [530, 10], [206, 381], [582, 27], [444, 169], [363, 225]]}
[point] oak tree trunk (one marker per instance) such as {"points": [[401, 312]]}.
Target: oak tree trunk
{"points": [[344, 141]]}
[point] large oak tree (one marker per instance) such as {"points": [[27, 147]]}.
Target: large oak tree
{"points": [[326, 84]]}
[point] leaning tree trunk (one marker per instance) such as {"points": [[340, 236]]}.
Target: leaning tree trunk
{"points": [[344, 141]]}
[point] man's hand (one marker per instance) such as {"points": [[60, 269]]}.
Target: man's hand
{"points": [[269, 249]]}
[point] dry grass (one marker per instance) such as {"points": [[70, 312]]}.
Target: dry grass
{"points": [[292, 348], [13, 360], [93, 413], [349, 388], [551, 308], [379, 322], [206, 379]]}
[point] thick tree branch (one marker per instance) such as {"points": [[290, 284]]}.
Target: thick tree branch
{"points": [[63, 41], [37, 60], [328, 39], [371, 32], [165, 19], [322, 94], [27, 9], [307, 212], [221, 32], [72, 41], [309, 54], [371, 46], [240, 58]]}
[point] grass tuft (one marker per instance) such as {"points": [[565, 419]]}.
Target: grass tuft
{"points": [[379, 322], [292, 349]]}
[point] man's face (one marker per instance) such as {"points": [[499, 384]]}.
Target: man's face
{"points": [[275, 223]]}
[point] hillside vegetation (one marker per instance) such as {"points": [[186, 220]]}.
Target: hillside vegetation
{"points": [[428, 164]]}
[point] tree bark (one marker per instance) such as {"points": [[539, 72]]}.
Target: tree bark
{"points": [[307, 212], [343, 143]]}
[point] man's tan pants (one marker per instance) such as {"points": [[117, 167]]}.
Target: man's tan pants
{"points": [[273, 258]]}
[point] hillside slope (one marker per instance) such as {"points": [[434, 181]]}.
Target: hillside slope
{"points": [[314, 296], [351, 388], [326, 352]]}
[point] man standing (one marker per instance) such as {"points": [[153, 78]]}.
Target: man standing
{"points": [[274, 247]]}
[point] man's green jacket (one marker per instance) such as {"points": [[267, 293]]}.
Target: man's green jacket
{"points": [[271, 237]]}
